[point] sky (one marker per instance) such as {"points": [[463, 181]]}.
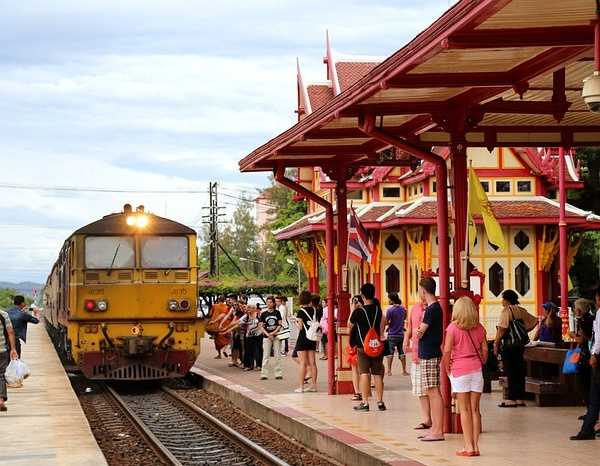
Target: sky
{"points": [[166, 95]]}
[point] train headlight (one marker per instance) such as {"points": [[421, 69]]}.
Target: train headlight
{"points": [[102, 305], [142, 221], [184, 304], [89, 305], [173, 305]]}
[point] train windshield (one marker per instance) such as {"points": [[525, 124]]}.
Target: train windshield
{"points": [[109, 252], [164, 252]]}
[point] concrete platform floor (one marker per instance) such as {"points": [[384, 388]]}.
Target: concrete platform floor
{"points": [[44, 424], [512, 437]]}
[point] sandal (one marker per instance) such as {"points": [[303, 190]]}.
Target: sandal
{"points": [[466, 453], [422, 426], [432, 438], [357, 397], [507, 405]]}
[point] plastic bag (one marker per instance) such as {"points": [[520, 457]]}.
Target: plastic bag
{"points": [[16, 372], [571, 362]]}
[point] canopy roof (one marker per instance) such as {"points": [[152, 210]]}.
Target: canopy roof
{"points": [[510, 71]]}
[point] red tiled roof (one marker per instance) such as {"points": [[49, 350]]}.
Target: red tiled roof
{"points": [[350, 72], [374, 213], [505, 211], [502, 210], [319, 95]]}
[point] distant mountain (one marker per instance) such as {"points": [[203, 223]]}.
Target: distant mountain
{"points": [[26, 288]]}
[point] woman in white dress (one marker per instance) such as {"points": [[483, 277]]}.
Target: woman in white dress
{"points": [[281, 303]]}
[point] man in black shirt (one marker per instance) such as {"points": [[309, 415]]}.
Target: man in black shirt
{"points": [[370, 316], [270, 325], [430, 334]]}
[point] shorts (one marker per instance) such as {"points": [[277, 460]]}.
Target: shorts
{"points": [[395, 343], [369, 365], [415, 378], [472, 382], [430, 373]]}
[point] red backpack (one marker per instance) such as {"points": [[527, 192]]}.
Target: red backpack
{"points": [[372, 345]]}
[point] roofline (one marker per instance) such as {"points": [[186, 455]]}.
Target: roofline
{"points": [[426, 44]]}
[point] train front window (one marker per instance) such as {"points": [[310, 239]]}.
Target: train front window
{"points": [[109, 252], [164, 252]]}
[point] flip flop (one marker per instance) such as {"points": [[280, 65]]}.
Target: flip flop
{"points": [[466, 453], [431, 438], [505, 405], [422, 426]]}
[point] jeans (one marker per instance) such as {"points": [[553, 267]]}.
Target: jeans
{"points": [[514, 367], [593, 410], [4, 360], [267, 361]]}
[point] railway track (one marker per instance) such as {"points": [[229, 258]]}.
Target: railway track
{"points": [[181, 433]]}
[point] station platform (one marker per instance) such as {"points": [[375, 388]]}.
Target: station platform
{"points": [[512, 437], [44, 424]]}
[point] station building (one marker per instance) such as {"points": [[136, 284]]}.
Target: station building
{"points": [[397, 205]]}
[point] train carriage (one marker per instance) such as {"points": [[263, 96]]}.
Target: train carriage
{"points": [[121, 300]]}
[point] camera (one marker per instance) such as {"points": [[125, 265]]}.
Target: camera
{"points": [[591, 92]]}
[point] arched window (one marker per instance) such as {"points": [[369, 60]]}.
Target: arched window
{"points": [[392, 279], [496, 274]]}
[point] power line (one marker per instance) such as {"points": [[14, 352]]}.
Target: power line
{"points": [[98, 190], [252, 201]]}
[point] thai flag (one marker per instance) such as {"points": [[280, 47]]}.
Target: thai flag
{"points": [[360, 246]]}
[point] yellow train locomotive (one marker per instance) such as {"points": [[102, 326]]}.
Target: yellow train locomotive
{"points": [[121, 300]]}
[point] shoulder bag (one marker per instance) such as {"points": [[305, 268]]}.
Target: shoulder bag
{"points": [[516, 335]]}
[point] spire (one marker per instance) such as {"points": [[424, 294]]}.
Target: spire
{"points": [[331, 71], [302, 92]]}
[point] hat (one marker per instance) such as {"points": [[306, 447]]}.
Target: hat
{"points": [[550, 306]]}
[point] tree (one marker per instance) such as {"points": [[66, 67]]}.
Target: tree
{"points": [[6, 298], [284, 211], [585, 271]]}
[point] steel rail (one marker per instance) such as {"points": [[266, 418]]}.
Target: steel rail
{"points": [[254, 448], [157, 446]]}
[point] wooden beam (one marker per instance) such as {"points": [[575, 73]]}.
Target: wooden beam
{"points": [[556, 36], [425, 80]]}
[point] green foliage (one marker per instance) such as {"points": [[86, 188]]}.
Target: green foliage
{"points": [[585, 271], [239, 285], [285, 211], [6, 298]]}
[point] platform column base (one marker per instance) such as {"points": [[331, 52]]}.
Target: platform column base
{"points": [[343, 371]]}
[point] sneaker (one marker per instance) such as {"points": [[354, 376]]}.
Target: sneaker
{"points": [[311, 390], [279, 377], [264, 378], [381, 406], [299, 390], [361, 407]]}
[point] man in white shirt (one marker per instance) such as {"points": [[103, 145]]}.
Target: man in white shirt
{"points": [[587, 431]]}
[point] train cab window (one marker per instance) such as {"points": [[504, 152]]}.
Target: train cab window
{"points": [[109, 252], [164, 252]]}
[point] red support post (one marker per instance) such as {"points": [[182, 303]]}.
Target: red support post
{"points": [[459, 203], [313, 282], [441, 178], [343, 383], [562, 235], [329, 263]]}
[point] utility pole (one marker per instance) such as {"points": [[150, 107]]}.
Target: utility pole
{"points": [[212, 219]]}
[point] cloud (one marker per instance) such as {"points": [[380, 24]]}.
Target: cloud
{"points": [[162, 94]]}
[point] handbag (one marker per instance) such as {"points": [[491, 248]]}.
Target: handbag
{"points": [[571, 362], [283, 334], [516, 336], [478, 354]]}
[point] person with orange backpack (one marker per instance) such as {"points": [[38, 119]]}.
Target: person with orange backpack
{"points": [[370, 326]]}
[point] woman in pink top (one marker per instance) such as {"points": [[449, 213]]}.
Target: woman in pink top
{"points": [[465, 352], [411, 345]]}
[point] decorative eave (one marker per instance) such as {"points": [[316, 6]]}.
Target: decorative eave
{"points": [[516, 210]]}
